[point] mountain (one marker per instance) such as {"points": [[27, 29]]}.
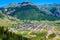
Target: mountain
{"points": [[53, 8], [30, 11]]}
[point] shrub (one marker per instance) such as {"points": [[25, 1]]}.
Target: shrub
{"points": [[51, 35]]}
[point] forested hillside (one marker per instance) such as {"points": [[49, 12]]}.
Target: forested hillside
{"points": [[30, 11]]}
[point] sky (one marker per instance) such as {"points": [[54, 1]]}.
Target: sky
{"points": [[6, 2]]}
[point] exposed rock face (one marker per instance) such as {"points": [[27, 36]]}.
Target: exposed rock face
{"points": [[26, 3]]}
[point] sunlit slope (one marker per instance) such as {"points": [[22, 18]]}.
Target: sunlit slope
{"points": [[7, 20]]}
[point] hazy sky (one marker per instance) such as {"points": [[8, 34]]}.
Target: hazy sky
{"points": [[6, 2]]}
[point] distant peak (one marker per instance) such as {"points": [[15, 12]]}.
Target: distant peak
{"points": [[26, 3]]}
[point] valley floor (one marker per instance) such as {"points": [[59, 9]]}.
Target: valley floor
{"points": [[34, 30]]}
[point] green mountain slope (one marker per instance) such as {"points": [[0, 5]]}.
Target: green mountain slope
{"points": [[30, 11], [7, 21]]}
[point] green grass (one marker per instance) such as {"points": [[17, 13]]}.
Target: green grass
{"points": [[58, 38]]}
